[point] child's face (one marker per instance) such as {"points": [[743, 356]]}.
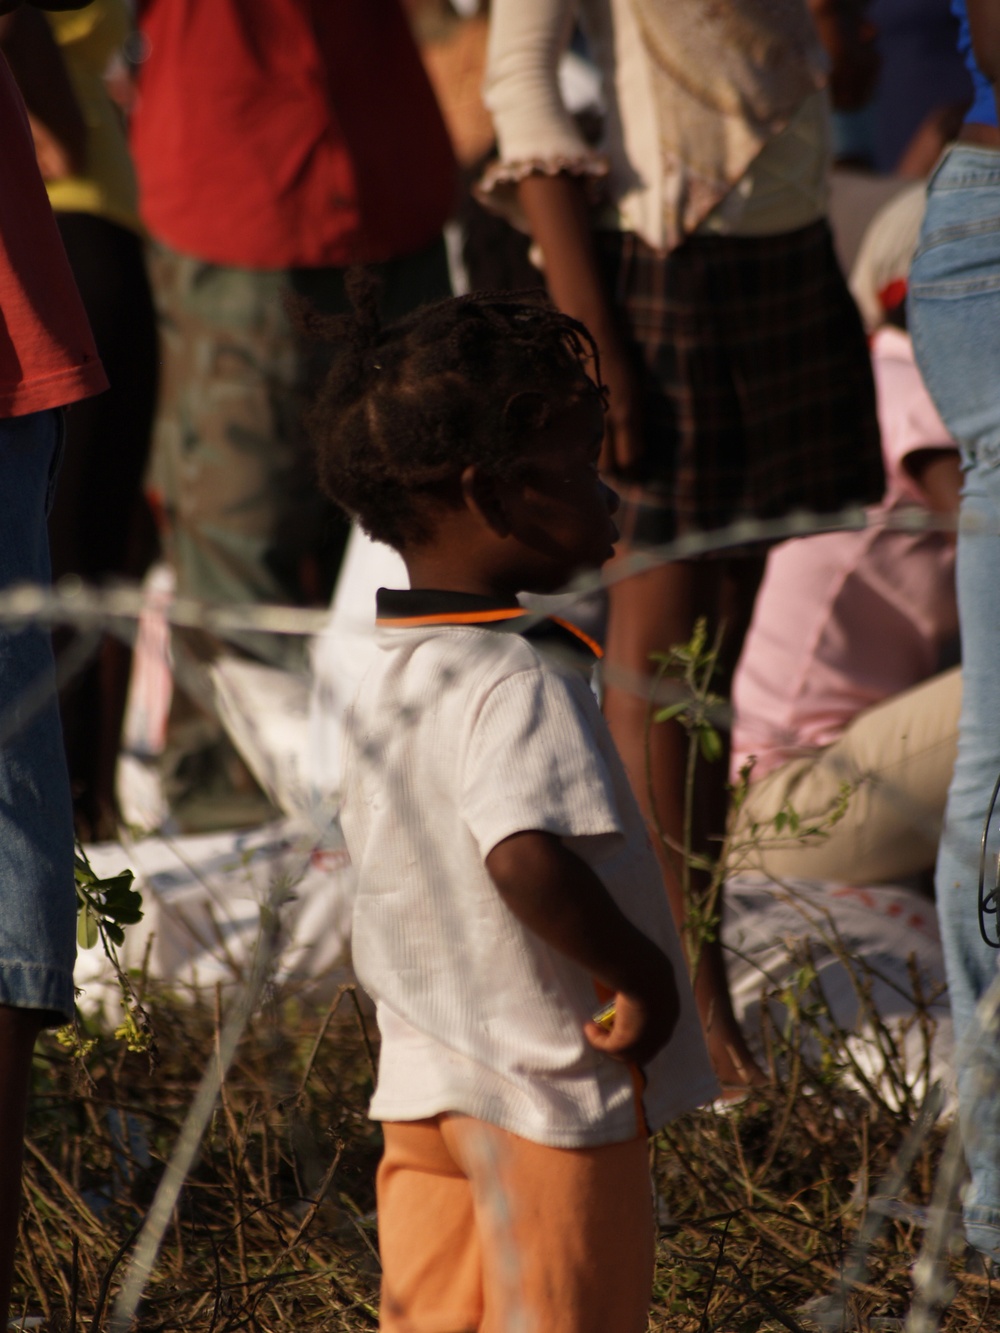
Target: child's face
{"points": [[560, 509]]}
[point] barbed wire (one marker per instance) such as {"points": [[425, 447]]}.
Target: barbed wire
{"points": [[76, 603], [116, 609]]}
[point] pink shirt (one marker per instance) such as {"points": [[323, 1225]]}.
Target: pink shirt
{"points": [[844, 620]]}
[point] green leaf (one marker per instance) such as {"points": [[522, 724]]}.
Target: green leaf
{"points": [[81, 869], [86, 928], [710, 742], [123, 879], [121, 902], [73, 1041], [135, 1035], [698, 638], [672, 710]]}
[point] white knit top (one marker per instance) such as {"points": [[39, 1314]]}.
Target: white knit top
{"points": [[714, 117]]}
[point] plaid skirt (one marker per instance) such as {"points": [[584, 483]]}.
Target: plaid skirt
{"points": [[758, 395]]}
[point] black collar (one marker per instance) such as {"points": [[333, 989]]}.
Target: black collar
{"points": [[411, 608]]}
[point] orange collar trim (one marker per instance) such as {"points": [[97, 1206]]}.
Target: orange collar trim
{"points": [[575, 630], [452, 618], [432, 607]]}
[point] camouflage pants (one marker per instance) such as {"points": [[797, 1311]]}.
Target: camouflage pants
{"points": [[231, 466]]}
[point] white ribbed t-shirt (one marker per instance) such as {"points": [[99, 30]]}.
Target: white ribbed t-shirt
{"points": [[459, 737]]}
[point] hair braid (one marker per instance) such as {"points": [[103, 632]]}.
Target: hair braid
{"points": [[407, 406]]}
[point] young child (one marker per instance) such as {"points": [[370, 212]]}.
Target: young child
{"points": [[506, 884]]}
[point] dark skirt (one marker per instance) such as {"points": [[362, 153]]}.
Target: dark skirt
{"points": [[757, 382]]}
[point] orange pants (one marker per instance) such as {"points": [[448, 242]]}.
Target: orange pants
{"points": [[482, 1231]]}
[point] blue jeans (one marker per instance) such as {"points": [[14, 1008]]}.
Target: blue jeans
{"points": [[954, 316], [37, 894]]}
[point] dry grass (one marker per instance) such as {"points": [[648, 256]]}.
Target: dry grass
{"points": [[759, 1203], [249, 1247]]}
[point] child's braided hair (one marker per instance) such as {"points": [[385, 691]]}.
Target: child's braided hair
{"points": [[406, 407]]}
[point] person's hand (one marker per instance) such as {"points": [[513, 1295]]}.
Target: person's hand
{"points": [[623, 446], [645, 1015], [558, 214], [55, 161]]}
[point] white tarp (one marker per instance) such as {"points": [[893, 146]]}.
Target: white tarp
{"points": [[202, 901], [866, 961]]}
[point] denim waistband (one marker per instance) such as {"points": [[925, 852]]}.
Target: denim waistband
{"points": [[965, 164]]}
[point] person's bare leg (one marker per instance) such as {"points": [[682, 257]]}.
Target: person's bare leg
{"points": [[649, 613], [19, 1028]]}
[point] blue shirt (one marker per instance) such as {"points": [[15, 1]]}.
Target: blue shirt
{"points": [[984, 108], [921, 70]]}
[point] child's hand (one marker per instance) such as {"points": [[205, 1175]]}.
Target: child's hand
{"points": [[562, 900], [645, 1016]]}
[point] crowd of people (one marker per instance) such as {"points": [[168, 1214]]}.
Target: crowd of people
{"points": [[228, 321]]}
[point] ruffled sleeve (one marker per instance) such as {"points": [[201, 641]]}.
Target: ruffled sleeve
{"points": [[536, 134]]}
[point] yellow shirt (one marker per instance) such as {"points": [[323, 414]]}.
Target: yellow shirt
{"points": [[88, 38]]}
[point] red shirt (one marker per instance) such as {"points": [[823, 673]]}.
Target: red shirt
{"points": [[279, 133], [47, 352]]}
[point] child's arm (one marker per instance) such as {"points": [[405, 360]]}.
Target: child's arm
{"points": [[558, 896]]}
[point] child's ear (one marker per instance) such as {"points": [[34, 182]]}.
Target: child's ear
{"points": [[484, 498]]}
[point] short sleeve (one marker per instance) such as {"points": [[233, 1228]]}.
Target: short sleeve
{"points": [[531, 762]]}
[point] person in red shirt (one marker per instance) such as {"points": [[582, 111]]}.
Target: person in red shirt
{"points": [[98, 521], [276, 142], [47, 359]]}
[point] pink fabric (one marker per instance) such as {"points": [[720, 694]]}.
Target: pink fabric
{"points": [[844, 620]]}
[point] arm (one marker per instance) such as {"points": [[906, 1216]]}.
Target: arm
{"points": [[938, 128], [849, 40], [56, 121], [559, 897], [938, 473], [557, 213], [984, 24], [539, 141]]}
